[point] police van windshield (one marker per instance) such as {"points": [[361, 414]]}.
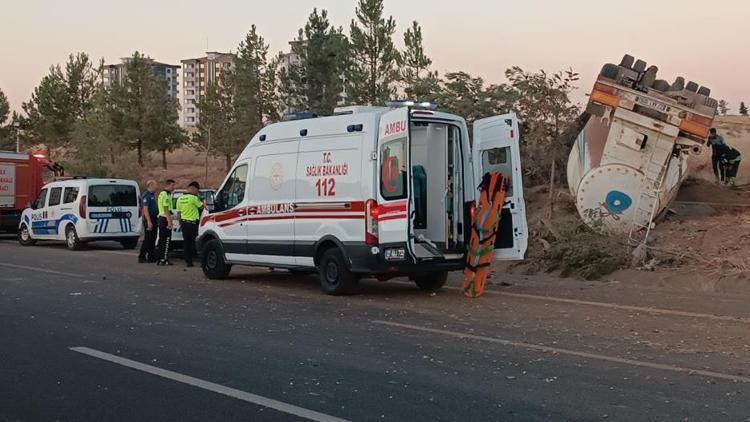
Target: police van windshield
{"points": [[112, 196]]}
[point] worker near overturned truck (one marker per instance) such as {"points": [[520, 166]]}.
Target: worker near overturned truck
{"points": [[715, 140], [729, 161]]}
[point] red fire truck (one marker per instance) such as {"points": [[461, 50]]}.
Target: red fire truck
{"points": [[21, 178]]}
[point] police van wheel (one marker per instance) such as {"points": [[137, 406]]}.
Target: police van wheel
{"points": [[71, 239], [212, 261], [129, 243], [24, 236], [432, 281], [335, 277]]}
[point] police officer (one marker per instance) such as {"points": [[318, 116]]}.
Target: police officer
{"points": [[189, 207], [165, 222], [150, 214]]}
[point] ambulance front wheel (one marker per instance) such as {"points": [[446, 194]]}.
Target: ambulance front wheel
{"points": [[24, 236], [335, 278], [214, 266], [432, 281]]}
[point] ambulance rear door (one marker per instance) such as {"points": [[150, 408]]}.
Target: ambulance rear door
{"points": [[496, 147]]}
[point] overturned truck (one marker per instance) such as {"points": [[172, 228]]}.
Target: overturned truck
{"points": [[630, 158]]}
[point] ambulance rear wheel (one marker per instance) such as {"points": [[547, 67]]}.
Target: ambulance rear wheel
{"points": [[212, 261], [24, 236], [432, 281], [335, 277], [71, 239]]}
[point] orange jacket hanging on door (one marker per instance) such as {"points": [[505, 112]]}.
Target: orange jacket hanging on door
{"points": [[485, 224]]}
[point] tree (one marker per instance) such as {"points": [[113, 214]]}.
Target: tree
{"points": [[145, 115], [216, 135], [419, 82], [723, 107], [372, 73], [467, 96], [61, 99], [545, 110], [743, 109], [315, 81], [4, 108], [95, 137], [253, 86]]}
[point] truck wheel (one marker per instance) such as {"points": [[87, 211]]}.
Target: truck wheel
{"points": [[627, 61], [129, 243], [212, 261], [432, 281], [71, 239], [24, 236], [692, 86], [661, 85], [704, 91], [335, 277], [610, 71]]}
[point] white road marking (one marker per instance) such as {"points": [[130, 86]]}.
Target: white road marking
{"points": [[210, 386], [626, 307], [41, 270], [585, 355]]}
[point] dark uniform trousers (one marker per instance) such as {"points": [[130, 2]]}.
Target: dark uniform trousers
{"points": [[148, 246], [189, 234], [165, 235]]}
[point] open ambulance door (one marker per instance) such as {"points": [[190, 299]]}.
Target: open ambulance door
{"points": [[394, 185], [496, 147]]}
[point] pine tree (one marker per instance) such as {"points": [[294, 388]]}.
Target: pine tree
{"points": [[419, 82], [372, 73], [61, 99], [315, 83], [5, 131], [723, 107], [215, 134], [743, 109], [4, 108], [254, 87], [147, 116]]}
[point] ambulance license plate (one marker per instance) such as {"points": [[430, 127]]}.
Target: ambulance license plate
{"points": [[395, 254]]}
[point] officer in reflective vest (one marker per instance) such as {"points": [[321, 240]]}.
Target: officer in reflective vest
{"points": [[165, 222], [189, 208]]}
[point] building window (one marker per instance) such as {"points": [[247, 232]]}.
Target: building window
{"points": [[191, 109]]}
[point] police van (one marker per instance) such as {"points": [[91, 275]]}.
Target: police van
{"points": [[369, 191], [80, 210]]}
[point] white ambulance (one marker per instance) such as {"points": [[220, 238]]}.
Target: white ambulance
{"points": [[369, 191], [80, 210]]}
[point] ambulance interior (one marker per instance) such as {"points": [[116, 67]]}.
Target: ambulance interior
{"points": [[437, 190]]}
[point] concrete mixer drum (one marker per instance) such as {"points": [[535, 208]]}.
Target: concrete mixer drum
{"points": [[608, 197]]}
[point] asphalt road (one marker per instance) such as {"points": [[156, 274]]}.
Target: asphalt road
{"points": [[93, 336]]}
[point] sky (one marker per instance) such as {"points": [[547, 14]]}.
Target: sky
{"points": [[482, 37]]}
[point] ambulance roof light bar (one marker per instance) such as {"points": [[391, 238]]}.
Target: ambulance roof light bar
{"points": [[416, 104]]}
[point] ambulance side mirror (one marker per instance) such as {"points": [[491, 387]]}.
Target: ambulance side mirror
{"points": [[31, 205]]}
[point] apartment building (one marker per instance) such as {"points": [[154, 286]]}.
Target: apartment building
{"points": [[197, 75], [115, 73]]}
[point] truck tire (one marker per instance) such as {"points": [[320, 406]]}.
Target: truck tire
{"points": [[679, 84], [704, 91], [71, 239], [24, 236], [213, 264], [660, 85], [129, 243], [639, 66], [335, 278], [692, 86], [432, 281], [649, 77], [610, 71], [627, 61]]}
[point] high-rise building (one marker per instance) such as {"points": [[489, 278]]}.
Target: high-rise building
{"points": [[115, 73], [198, 74]]}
